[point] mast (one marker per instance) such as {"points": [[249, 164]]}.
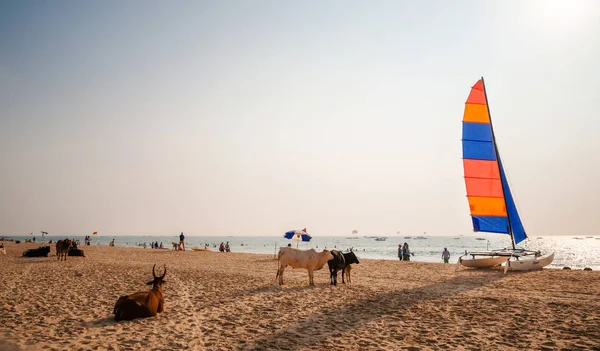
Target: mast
{"points": [[487, 104]]}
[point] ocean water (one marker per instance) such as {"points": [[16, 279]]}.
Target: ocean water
{"points": [[574, 252]]}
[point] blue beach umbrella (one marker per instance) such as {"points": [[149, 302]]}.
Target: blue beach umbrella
{"points": [[298, 236]]}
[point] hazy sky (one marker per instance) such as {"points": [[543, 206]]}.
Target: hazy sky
{"points": [[257, 117]]}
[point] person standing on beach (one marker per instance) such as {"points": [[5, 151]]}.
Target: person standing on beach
{"points": [[182, 241], [446, 255], [400, 251]]}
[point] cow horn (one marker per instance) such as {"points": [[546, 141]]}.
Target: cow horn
{"points": [[165, 273], [153, 272]]}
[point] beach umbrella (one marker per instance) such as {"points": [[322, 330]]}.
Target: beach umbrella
{"points": [[298, 236]]}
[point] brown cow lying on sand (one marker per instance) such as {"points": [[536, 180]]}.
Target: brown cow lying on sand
{"points": [[62, 248], [142, 304], [307, 259]]}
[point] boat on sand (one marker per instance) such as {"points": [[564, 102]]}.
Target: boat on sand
{"points": [[491, 203]]}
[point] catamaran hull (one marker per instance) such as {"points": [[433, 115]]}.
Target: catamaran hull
{"points": [[484, 262], [527, 264]]}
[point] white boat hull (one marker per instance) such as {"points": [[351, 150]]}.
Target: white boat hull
{"points": [[483, 262], [526, 264]]}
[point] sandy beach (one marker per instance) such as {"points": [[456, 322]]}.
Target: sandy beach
{"points": [[218, 301]]}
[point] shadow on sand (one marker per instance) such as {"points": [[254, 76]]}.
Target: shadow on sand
{"points": [[369, 309]]}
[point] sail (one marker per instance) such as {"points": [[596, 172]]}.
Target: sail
{"points": [[481, 168], [518, 231]]}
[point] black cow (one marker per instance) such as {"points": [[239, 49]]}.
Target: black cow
{"points": [[350, 258], [337, 263], [39, 252]]}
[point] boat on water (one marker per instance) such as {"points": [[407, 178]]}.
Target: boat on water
{"points": [[408, 237], [381, 238], [420, 237], [479, 238], [491, 203]]}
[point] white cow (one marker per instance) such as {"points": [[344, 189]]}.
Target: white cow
{"points": [[307, 259]]}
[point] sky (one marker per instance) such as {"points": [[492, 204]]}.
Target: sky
{"points": [[258, 117]]}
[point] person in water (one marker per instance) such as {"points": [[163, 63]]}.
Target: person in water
{"points": [[405, 252], [446, 255]]}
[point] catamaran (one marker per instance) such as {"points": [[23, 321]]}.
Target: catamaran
{"points": [[491, 203]]}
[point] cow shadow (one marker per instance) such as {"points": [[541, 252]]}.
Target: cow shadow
{"points": [[275, 288], [369, 309], [100, 323]]}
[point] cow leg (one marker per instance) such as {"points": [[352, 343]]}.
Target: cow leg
{"points": [[311, 277], [330, 276], [343, 272], [280, 274]]}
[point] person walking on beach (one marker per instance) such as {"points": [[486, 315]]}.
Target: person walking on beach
{"points": [[227, 249], [400, 254], [446, 255], [182, 241]]}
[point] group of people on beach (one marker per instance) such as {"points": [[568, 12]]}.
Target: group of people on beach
{"points": [[404, 252], [155, 245], [224, 248], [87, 240]]}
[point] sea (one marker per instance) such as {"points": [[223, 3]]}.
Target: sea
{"points": [[576, 252]]}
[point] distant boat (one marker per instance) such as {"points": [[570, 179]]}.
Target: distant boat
{"points": [[539, 237], [491, 202], [407, 237], [589, 237], [420, 237], [351, 237], [457, 238], [382, 238]]}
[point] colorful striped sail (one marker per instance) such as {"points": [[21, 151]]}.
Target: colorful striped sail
{"points": [[490, 200]]}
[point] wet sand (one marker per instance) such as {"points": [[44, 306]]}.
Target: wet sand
{"points": [[219, 301]]}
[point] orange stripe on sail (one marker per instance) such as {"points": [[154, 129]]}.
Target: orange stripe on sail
{"points": [[487, 206], [476, 113]]}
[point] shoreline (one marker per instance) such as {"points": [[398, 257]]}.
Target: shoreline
{"points": [[451, 263]]}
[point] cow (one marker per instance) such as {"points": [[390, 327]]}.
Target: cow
{"points": [[350, 258], [2, 249], [144, 303], [336, 263], [340, 261], [38, 252], [62, 248], [310, 260]]}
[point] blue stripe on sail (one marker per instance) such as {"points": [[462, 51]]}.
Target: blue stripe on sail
{"points": [[479, 150], [477, 131], [515, 221], [492, 224]]}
